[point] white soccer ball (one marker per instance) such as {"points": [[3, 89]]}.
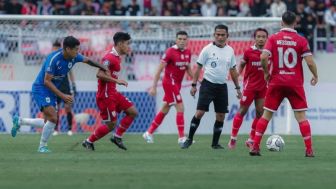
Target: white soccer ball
{"points": [[275, 143]]}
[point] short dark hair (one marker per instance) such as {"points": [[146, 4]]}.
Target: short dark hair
{"points": [[222, 26], [56, 43], [121, 37], [70, 42], [181, 33], [288, 18], [260, 29]]}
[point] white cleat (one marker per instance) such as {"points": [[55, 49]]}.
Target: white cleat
{"points": [[69, 133], [148, 137], [55, 133], [181, 140]]}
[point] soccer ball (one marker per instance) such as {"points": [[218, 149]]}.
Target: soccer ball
{"points": [[275, 143]]}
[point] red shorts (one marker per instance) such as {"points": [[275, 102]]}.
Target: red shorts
{"points": [[172, 94], [110, 106], [250, 95], [295, 95]]}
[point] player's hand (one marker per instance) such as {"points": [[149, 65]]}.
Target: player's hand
{"points": [[239, 94], [152, 91], [267, 77], [67, 99], [314, 81], [193, 91], [122, 82]]}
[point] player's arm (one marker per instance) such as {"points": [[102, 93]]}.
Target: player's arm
{"points": [[73, 84], [234, 75], [106, 77], [94, 64], [189, 71], [48, 83], [193, 89], [241, 66], [160, 68], [264, 62], [313, 68]]}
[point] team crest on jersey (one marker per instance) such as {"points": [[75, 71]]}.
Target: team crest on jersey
{"points": [[70, 65], [213, 64], [106, 63], [47, 99]]}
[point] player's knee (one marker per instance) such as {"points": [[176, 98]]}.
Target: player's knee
{"points": [[53, 119], [259, 113]]}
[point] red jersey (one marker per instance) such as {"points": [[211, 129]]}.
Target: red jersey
{"points": [[112, 61], [177, 62], [254, 74], [287, 49]]}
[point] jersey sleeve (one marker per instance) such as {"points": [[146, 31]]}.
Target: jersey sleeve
{"points": [[268, 46], [79, 58], [166, 57], [51, 65], [245, 57], [107, 61], [203, 56], [233, 62], [305, 49]]}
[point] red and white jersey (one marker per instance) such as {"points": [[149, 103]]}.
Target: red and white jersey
{"points": [[177, 62], [254, 74], [287, 49], [112, 61]]}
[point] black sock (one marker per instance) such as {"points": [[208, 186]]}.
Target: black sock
{"points": [[193, 127], [217, 131], [69, 118]]}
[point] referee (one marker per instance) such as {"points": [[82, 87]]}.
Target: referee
{"points": [[218, 59]]}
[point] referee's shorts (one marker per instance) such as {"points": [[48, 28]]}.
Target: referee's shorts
{"points": [[218, 93]]}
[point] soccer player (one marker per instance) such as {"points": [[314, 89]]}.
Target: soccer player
{"points": [[109, 100], [218, 59], [254, 87], [175, 62], [45, 88], [286, 49], [66, 89]]}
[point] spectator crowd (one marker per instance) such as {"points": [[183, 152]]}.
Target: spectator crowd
{"points": [[311, 14]]}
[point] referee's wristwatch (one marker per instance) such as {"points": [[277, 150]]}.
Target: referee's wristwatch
{"points": [[193, 85]]}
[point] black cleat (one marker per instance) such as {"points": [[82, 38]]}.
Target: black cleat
{"points": [[186, 144], [88, 145], [255, 152], [217, 147], [118, 141]]}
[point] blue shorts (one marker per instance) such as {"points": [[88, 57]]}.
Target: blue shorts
{"points": [[44, 99]]}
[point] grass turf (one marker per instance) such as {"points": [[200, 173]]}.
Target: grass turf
{"points": [[163, 164]]}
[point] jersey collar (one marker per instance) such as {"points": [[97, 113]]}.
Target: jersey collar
{"points": [[176, 47], [114, 52], [254, 47], [289, 30], [217, 45]]}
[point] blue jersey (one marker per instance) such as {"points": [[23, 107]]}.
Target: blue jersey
{"points": [[55, 65]]}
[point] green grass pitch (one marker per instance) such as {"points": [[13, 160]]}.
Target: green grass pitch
{"points": [[163, 164]]}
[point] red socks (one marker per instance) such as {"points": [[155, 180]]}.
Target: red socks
{"points": [[237, 121], [260, 130], [306, 134], [99, 133], [125, 123], [156, 122], [180, 123], [253, 127]]}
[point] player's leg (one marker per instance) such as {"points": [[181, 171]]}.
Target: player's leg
{"points": [[245, 103], [57, 127], [259, 103], [221, 102], [107, 109], [68, 111], [180, 122], [125, 123], [273, 99], [206, 96], [148, 135], [50, 115], [297, 99]]}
